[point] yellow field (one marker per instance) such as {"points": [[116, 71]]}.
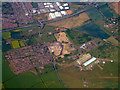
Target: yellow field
{"points": [[17, 30], [22, 44], [15, 44], [71, 22], [113, 40], [62, 38]]}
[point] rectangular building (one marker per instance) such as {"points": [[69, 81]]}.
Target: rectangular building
{"points": [[89, 61]]}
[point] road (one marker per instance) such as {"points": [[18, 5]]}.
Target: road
{"points": [[42, 23]]}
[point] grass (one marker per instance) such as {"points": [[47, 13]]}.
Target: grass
{"points": [[73, 78], [51, 80], [94, 30], [115, 7], [78, 38], [106, 11], [71, 22], [15, 44], [22, 44], [93, 13], [113, 40], [6, 71], [107, 50], [6, 35]]}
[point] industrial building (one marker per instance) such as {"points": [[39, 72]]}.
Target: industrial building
{"points": [[54, 9], [89, 61], [86, 61]]}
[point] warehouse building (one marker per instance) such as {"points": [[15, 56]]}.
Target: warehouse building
{"points": [[89, 61]]}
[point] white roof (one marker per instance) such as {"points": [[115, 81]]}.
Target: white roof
{"points": [[52, 10], [61, 7], [49, 3], [65, 4], [46, 6], [52, 15], [45, 3], [51, 6], [64, 12], [58, 14], [58, 3], [89, 61], [66, 7], [34, 11]]}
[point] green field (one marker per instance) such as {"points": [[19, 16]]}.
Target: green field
{"points": [[45, 37], [6, 71], [79, 38], [105, 9], [74, 78], [51, 80], [93, 13], [6, 35], [107, 50], [94, 30], [15, 44]]}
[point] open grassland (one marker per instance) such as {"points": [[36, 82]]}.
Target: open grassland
{"points": [[78, 38], [71, 22], [6, 71], [15, 44], [113, 40], [51, 80], [73, 78], [115, 6], [94, 30], [45, 37], [6, 35], [93, 13], [106, 51]]}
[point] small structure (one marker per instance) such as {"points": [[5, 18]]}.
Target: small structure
{"points": [[63, 12], [65, 4], [66, 7], [52, 15]]}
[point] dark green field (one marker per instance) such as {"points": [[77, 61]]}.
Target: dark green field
{"points": [[78, 38], [94, 30]]}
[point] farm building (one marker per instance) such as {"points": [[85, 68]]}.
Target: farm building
{"points": [[83, 58], [89, 61]]}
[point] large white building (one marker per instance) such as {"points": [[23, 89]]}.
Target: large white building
{"points": [[52, 15], [58, 14], [89, 61], [63, 12]]}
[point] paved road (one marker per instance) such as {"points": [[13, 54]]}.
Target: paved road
{"points": [[41, 23]]}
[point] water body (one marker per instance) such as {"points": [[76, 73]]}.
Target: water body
{"points": [[94, 30]]}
